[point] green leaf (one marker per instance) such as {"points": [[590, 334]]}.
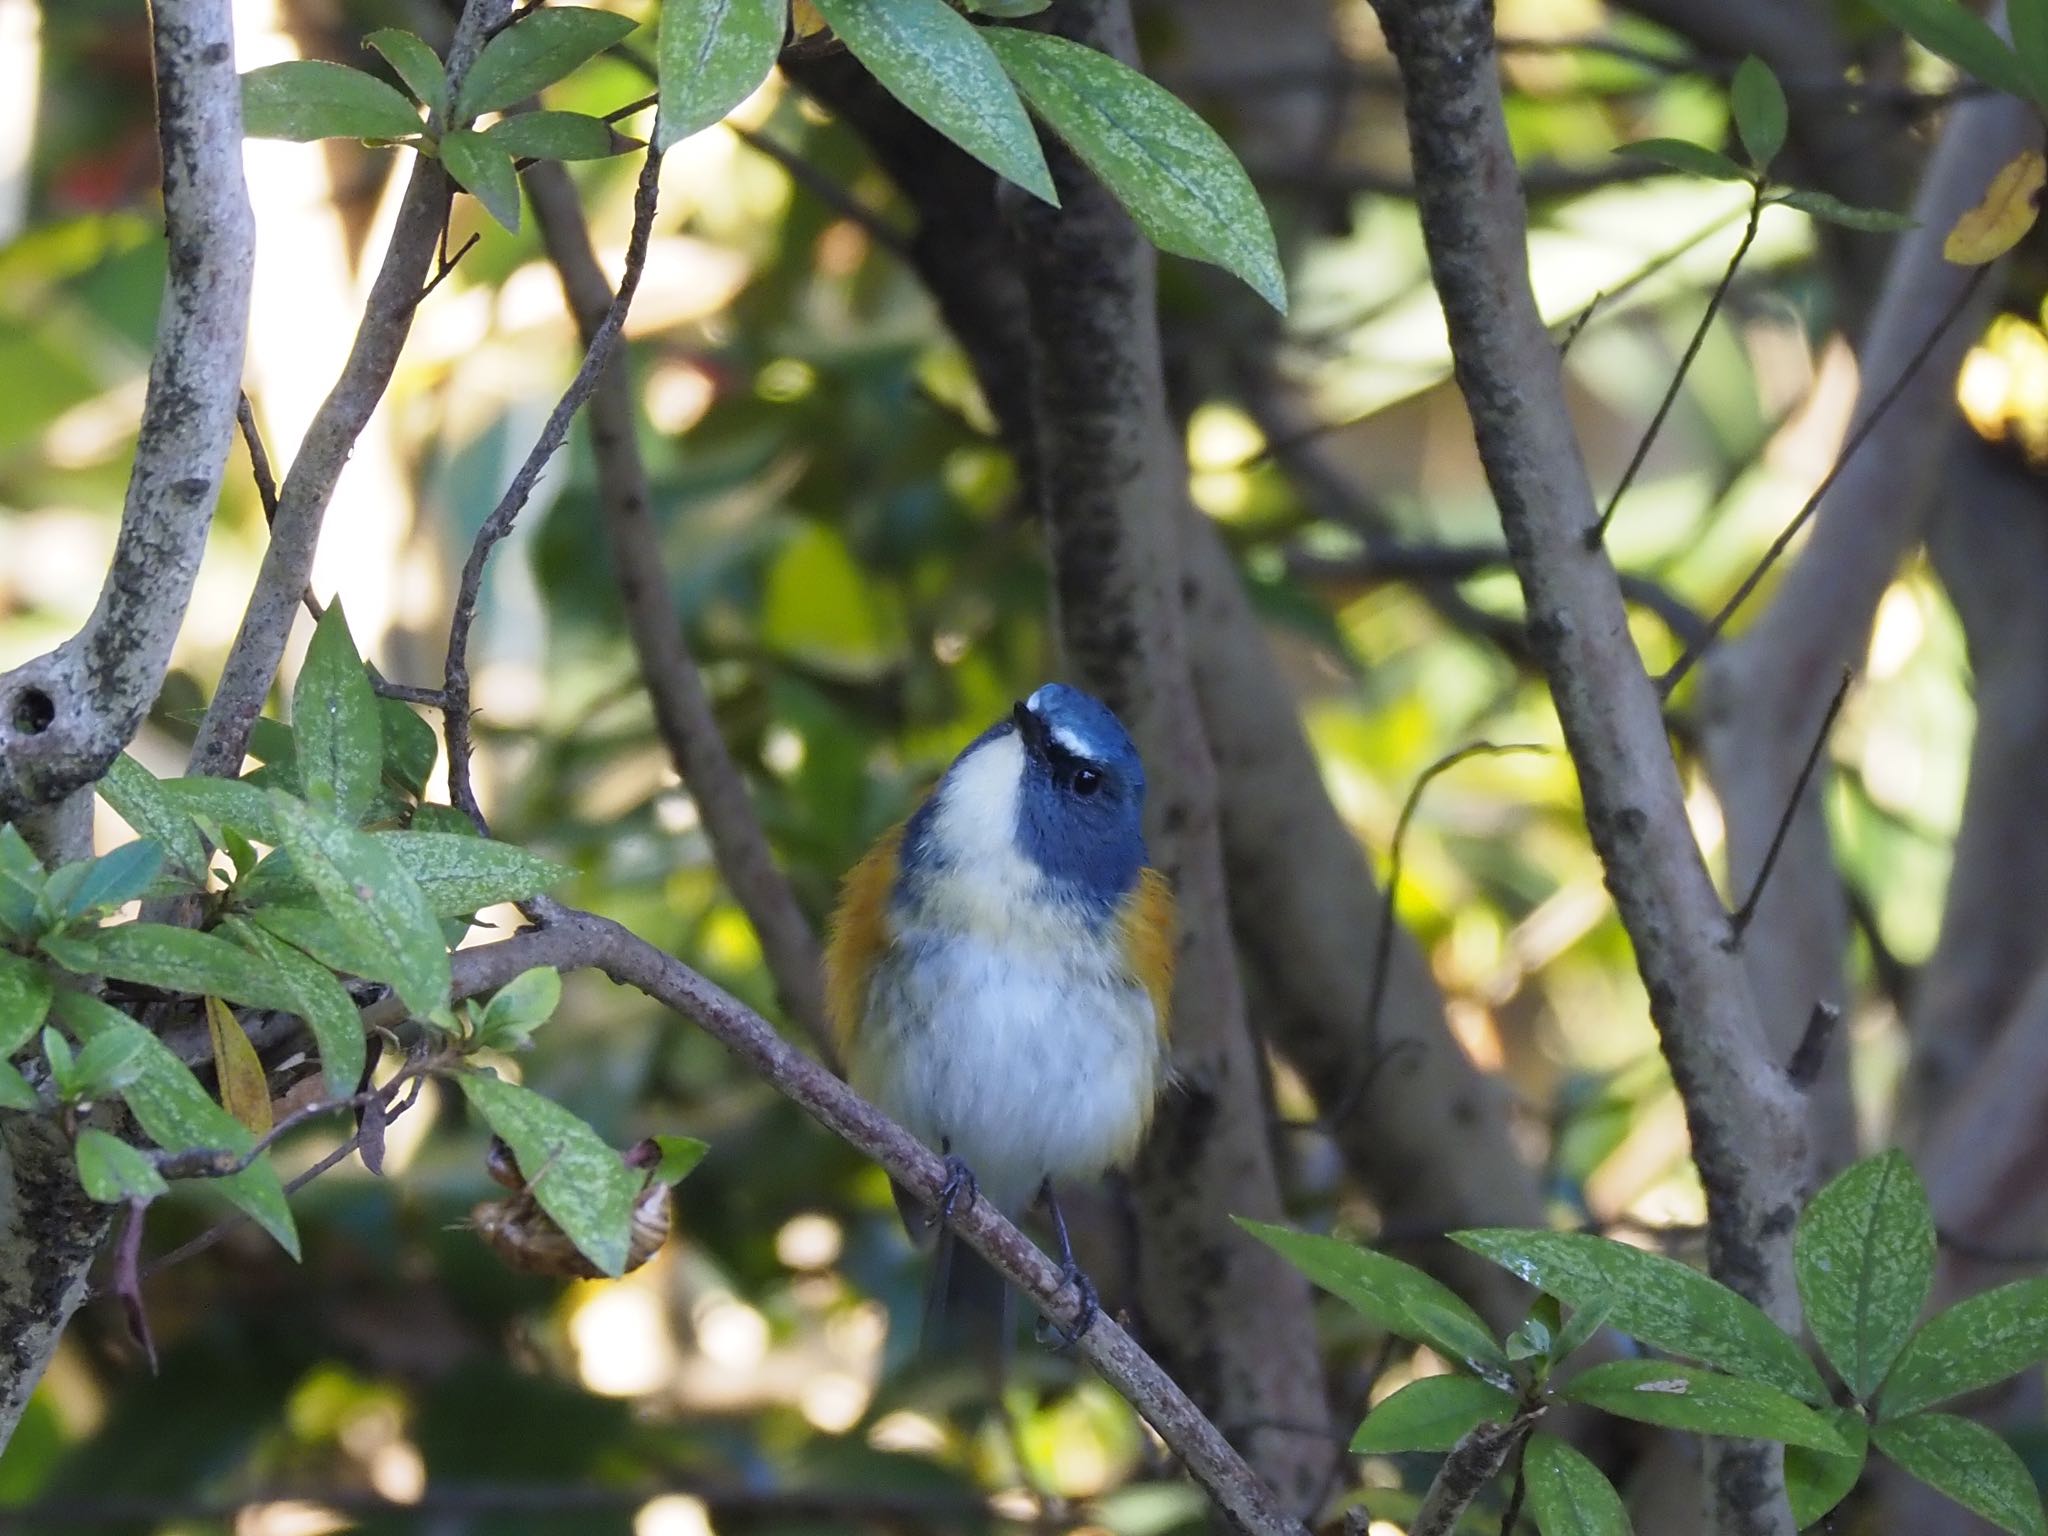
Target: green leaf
{"points": [[107, 1065], [271, 743], [556, 136], [1530, 1341], [536, 51], [939, 65], [180, 960], [1970, 1464], [179, 1116], [713, 55], [1580, 1327], [417, 65], [1702, 1402], [521, 1006], [485, 171], [1008, 9], [114, 1172], [367, 893], [1169, 168], [63, 1064], [1991, 1336], [334, 719], [106, 882], [24, 1001], [1391, 1295], [410, 746], [1819, 205], [1431, 1414], [1657, 1300], [1568, 1495], [305, 99], [15, 1090], [2028, 20], [1865, 1261], [1758, 102], [140, 798], [458, 874], [578, 1180], [354, 951], [231, 805], [1687, 158], [1944, 27], [680, 1156], [1817, 1481], [317, 998], [21, 883]]}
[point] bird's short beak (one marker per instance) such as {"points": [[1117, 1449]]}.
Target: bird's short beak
{"points": [[1029, 726]]}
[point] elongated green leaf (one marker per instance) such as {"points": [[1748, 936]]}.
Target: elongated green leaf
{"points": [[21, 884], [714, 54], [484, 170], [108, 881], [306, 99], [229, 805], [318, 998], [1817, 1481], [1686, 158], [2029, 22], [1865, 1261], [1431, 1414], [1758, 102], [24, 1001], [937, 63], [578, 1180], [1568, 1495], [536, 51], [410, 746], [458, 873], [63, 1063], [334, 720], [367, 893], [171, 960], [1970, 1464], [179, 1116], [1394, 1296], [1657, 1300], [556, 136], [1580, 1327], [520, 1007], [139, 796], [107, 1065], [1876, 221], [314, 930], [1987, 1338], [417, 65], [1169, 168], [1701, 1401], [1946, 28], [15, 1090], [114, 1172]]}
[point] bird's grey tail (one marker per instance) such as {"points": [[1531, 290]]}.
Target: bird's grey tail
{"points": [[969, 1309]]}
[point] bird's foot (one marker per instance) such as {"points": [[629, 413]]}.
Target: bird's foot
{"points": [[1088, 1308], [959, 1185]]}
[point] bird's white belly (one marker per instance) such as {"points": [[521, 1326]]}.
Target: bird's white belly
{"points": [[1022, 1067]]}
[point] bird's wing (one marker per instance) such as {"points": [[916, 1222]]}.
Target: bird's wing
{"points": [[860, 932], [1149, 933]]}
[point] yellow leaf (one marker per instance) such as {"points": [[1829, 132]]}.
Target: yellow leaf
{"points": [[244, 1092], [2008, 211], [804, 18]]}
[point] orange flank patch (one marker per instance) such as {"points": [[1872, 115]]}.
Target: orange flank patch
{"points": [[860, 932], [1150, 931]]}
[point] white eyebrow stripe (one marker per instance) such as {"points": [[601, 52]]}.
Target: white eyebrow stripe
{"points": [[1072, 743]]}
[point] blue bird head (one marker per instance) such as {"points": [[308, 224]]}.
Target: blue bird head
{"points": [[1057, 790]]}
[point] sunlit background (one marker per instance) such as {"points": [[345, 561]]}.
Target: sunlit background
{"points": [[865, 592]]}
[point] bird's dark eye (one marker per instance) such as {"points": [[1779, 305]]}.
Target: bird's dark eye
{"points": [[1086, 781]]}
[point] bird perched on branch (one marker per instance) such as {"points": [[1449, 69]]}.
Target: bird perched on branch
{"points": [[999, 974]]}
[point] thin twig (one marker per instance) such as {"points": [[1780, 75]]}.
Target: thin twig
{"points": [[1739, 920], [1598, 532], [206, 1163], [1521, 1491], [1383, 936], [1690, 656], [455, 682], [445, 263]]}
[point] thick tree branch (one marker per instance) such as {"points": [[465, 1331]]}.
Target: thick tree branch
{"points": [[682, 708], [1745, 1118], [579, 940], [65, 715], [309, 484], [1112, 487]]}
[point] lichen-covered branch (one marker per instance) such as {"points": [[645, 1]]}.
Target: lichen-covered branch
{"points": [[1747, 1122], [682, 708], [309, 484], [65, 715]]}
